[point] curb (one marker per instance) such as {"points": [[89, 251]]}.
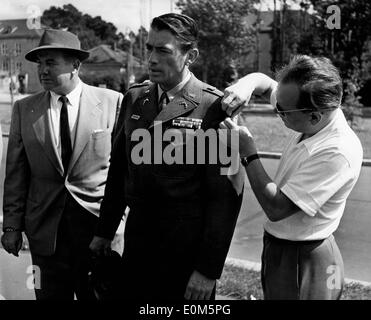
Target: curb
{"points": [[256, 266]]}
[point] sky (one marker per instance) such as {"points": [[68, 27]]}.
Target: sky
{"points": [[126, 15]]}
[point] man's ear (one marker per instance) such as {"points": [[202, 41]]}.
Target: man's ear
{"points": [[192, 56], [76, 65], [315, 117]]}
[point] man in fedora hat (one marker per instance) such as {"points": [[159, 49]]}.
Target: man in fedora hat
{"points": [[56, 169]]}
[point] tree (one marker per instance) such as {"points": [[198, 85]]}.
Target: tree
{"points": [[91, 31], [346, 46], [225, 37]]}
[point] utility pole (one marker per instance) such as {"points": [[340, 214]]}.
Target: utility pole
{"points": [[11, 84], [274, 42], [257, 44], [129, 68]]}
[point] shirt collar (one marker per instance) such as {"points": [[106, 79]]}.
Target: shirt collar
{"points": [[336, 123], [73, 97], [172, 92]]}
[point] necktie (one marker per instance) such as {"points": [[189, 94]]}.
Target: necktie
{"points": [[65, 134], [164, 100]]}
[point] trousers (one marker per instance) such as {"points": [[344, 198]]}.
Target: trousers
{"points": [[64, 275], [301, 270]]}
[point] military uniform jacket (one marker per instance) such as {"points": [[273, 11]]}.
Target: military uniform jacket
{"points": [[179, 211]]}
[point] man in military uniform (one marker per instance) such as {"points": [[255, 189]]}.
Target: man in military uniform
{"points": [[182, 216]]}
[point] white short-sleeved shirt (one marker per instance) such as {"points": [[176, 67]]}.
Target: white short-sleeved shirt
{"points": [[317, 174]]}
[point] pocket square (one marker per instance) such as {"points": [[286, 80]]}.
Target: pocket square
{"points": [[98, 131]]}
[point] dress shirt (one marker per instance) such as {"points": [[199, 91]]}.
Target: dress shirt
{"points": [[172, 92], [73, 110]]}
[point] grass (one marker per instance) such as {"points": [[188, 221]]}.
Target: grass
{"points": [[271, 135], [239, 283], [242, 284]]}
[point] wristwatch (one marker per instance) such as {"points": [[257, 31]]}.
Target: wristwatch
{"points": [[10, 229], [246, 160]]}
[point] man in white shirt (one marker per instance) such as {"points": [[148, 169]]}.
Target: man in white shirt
{"points": [[317, 171], [56, 170]]}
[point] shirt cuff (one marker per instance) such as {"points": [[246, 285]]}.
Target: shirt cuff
{"points": [[303, 200]]}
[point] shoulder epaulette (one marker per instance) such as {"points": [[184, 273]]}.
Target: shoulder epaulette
{"points": [[139, 85], [213, 90]]}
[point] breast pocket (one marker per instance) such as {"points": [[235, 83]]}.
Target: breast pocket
{"points": [[101, 143]]}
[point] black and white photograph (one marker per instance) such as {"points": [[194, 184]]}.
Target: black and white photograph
{"points": [[185, 155]]}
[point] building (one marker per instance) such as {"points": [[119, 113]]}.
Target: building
{"points": [[16, 39], [111, 67], [277, 38]]}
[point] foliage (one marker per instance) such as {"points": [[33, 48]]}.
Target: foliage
{"points": [[91, 31], [351, 104], [347, 47], [224, 35]]}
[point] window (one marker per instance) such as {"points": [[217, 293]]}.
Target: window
{"points": [[18, 49], [4, 49], [5, 65], [18, 66]]}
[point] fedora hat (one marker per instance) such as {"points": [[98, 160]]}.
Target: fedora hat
{"points": [[58, 40]]}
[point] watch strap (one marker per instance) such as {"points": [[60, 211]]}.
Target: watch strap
{"points": [[246, 160]]}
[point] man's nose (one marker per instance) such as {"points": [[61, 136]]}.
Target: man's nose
{"points": [[43, 69], [152, 58]]}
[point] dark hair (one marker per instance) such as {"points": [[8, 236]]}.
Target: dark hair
{"points": [[184, 28], [318, 79]]}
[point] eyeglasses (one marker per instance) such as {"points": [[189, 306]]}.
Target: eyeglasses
{"points": [[278, 110]]}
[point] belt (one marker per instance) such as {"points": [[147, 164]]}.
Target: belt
{"points": [[292, 242]]}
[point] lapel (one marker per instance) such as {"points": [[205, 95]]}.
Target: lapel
{"points": [[41, 124], [89, 110], [184, 101]]}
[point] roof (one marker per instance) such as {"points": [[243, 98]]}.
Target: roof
{"points": [[18, 28], [104, 53]]}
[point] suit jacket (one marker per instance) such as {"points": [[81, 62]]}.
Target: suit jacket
{"points": [[1, 146], [181, 215], [35, 185]]}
